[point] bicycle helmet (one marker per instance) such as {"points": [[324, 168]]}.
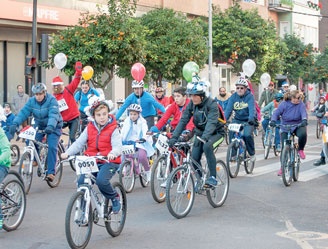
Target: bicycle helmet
{"points": [[120, 101], [196, 87], [278, 96], [137, 84], [159, 89], [96, 104], [39, 88], [242, 81], [134, 107]]}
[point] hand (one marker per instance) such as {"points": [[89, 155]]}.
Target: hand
{"points": [[304, 123], [12, 130], [111, 156], [49, 129], [78, 68], [272, 123], [154, 129], [63, 155], [171, 142], [142, 140]]}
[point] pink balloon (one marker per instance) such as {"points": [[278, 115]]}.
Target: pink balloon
{"points": [[138, 71]]}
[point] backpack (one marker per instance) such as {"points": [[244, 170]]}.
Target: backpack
{"points": [[222, 117]]}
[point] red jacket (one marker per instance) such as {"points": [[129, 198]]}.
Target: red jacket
{"points": [[68, 95], [165, 101], [174, 110], [99, 143]]}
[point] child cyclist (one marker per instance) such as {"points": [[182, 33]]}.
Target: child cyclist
{"points": [[102, 138], [135, 128], [5, 158]]}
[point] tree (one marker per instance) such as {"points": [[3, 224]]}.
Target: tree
{"points": [[173, 40], [319, 72], [243, 34], [109, 42]]}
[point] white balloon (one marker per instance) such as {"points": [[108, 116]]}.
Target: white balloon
{"points": [[265, 79], [60, 60], [249, 67]]}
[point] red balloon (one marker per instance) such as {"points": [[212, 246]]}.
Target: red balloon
{"points": [[138, 71], [310, 87]]}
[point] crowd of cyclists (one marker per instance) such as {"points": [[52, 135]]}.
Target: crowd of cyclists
{"points": [[191, 111]]}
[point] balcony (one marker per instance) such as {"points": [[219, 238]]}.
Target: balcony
{"points": [[281, 5]]}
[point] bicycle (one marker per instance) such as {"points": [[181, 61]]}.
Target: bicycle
{"points": [[168, 160], [131, 168], [237, 153], [319, 128], [181, 187], [290, 159], [13, 201], [15, 154], [269, 142], [88, 206], [30, 154]]}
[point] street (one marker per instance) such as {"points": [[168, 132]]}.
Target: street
{"points": [[260, 212]]}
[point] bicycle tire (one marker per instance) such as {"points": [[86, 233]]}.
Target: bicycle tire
{"points": [[297, 165], [15, 154], [143, 176], [58, 171], [318, 129], [115, 222], [13, 207], [158, 172], [126, 176], [286, 165], [77, 231], [180, 192], [263, 138], [248, 164], [267, 143], [216, 196], [233, 165], [275, 151], [24, 170]]}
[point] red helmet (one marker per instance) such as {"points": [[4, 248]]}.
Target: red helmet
{"points": [[159, 89]]}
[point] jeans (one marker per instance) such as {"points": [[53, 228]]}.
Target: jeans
{"points": [[199, 148], [247, 136], [72, 125], [3, 173], [106, 172], [150, 121]]}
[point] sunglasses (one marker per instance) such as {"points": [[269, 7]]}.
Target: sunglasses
{"points": [[299, 97], [240, 88]]}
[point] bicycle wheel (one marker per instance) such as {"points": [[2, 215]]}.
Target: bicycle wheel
{"points": [[126, 176], [61, 148], [24, 170], [15, 154], [158, 177], [248, 164], [296, 170], [115, 222], [216, 196], [318, 129], [286, 165], [263, 138], [233, 161], [267, 143], [59, 172], [143, 177], [13, 203], [78, 226], [180, 192]]}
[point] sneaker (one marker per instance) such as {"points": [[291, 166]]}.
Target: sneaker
{"points": [[301, 153], [148, 175], [35, 164], [211, 182], [319, 162], [116, 205], [278, 148], [233, 159], [252, 158], [50, 177], [279, 172], [163, 185]]}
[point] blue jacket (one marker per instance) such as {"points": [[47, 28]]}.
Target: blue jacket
{"points": [[45, 113], [244, 107], [9, 121], [147, 103], [83, 98]]}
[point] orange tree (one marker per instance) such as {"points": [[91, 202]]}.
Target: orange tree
{"points": [[111, 42]]}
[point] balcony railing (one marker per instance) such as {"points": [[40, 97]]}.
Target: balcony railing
{"points": [[281, 5]]}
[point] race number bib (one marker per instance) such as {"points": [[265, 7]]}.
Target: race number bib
{"points": [[128, 149], [28, 133], [234, 127], [85, 165], [62, 105], [162, 144]]}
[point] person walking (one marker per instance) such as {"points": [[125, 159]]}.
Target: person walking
{"points": [[223, 97], [19, 100]]}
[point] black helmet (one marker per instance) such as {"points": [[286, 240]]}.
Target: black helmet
{"points": [[39, 88]]}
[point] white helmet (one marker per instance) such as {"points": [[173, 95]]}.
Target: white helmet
{"points": [[137, 84], [135, 107], [242, 81]]}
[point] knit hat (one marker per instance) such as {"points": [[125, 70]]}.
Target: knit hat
{"points": [[57, 81]]}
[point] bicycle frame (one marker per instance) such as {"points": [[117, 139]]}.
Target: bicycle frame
{"points": [[31, 148]]}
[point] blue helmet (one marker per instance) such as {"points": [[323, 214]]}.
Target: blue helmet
{"points": [[39, 88], [196, 88], [278, 96]]}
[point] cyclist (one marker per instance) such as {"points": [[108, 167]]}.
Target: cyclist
{"points": [[292, 111], [82, 96], [65, 97], [162, 99], [205, 113], [268, 95], [102, 138], [320, 108], [145, 100], [135, 128], [5, 124], [243, 104], [44, 108]]}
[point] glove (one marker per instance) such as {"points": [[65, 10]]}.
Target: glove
{"points": [[142, 140], [272, 123], [304, 123], [12, 130], [78, 68], [251, 122], [171, 142], [49, 129], [184, 136], [154, 129]]}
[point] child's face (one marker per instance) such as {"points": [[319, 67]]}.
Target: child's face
{"points": [[7, 109], [322, 101], [179, 99], [101, 116], [134, 115]]}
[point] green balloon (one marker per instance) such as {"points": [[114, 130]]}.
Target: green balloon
{"points": [[189, 69]]}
